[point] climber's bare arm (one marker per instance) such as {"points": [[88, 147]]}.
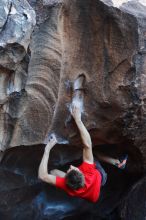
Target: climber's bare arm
{"points": [[57, 172], [87, 150], [43, 168]]}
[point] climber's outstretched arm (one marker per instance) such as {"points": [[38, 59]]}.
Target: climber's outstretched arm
{"points": [[87, 144], [57, 172], [43, 168]]}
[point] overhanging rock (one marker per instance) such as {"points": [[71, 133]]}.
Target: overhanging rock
{"points": [[104, 43]]}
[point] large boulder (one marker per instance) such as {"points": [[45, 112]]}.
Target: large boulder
{"points": [[23, 196], [133, 206], [40, 66], [66, 44], [105, 44], [17, 21]]}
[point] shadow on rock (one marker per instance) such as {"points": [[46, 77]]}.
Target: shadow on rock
{"points": [[23, 196]]}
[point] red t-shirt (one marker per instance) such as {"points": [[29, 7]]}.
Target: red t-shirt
{"points": [[91, 189]]}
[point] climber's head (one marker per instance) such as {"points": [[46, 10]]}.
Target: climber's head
{"points": [[74, 178]]}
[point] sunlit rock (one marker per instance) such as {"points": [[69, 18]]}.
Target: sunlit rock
{"points": [[17, 22], [41, 61], [109, 52]]}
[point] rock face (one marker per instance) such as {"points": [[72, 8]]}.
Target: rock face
{"points": [[16, 25], [45, 46], [133, 206], [104, 43], [24, 197]]}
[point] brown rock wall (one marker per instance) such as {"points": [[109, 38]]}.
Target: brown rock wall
{"points": [[93, 38]]}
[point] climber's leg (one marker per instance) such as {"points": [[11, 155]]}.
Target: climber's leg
{"points": [[120, 163]]}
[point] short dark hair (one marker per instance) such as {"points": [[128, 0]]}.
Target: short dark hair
{"points": [[75, 179]]}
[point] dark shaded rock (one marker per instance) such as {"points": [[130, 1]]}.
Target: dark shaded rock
{"points": [[133, 206], [23, 196]]}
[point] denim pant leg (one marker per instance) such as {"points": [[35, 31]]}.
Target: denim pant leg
{"points": [[102, 171]]}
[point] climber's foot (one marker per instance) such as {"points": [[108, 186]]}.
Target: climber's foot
{"points": [[122, 162]]}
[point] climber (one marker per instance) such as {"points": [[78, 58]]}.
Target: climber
{"points": [[84, 181]]}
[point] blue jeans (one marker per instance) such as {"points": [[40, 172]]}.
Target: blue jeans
{"points": [[102, 171]]}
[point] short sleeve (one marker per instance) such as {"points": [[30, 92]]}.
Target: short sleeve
{"points": [[87, 167], [60, 182]]}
